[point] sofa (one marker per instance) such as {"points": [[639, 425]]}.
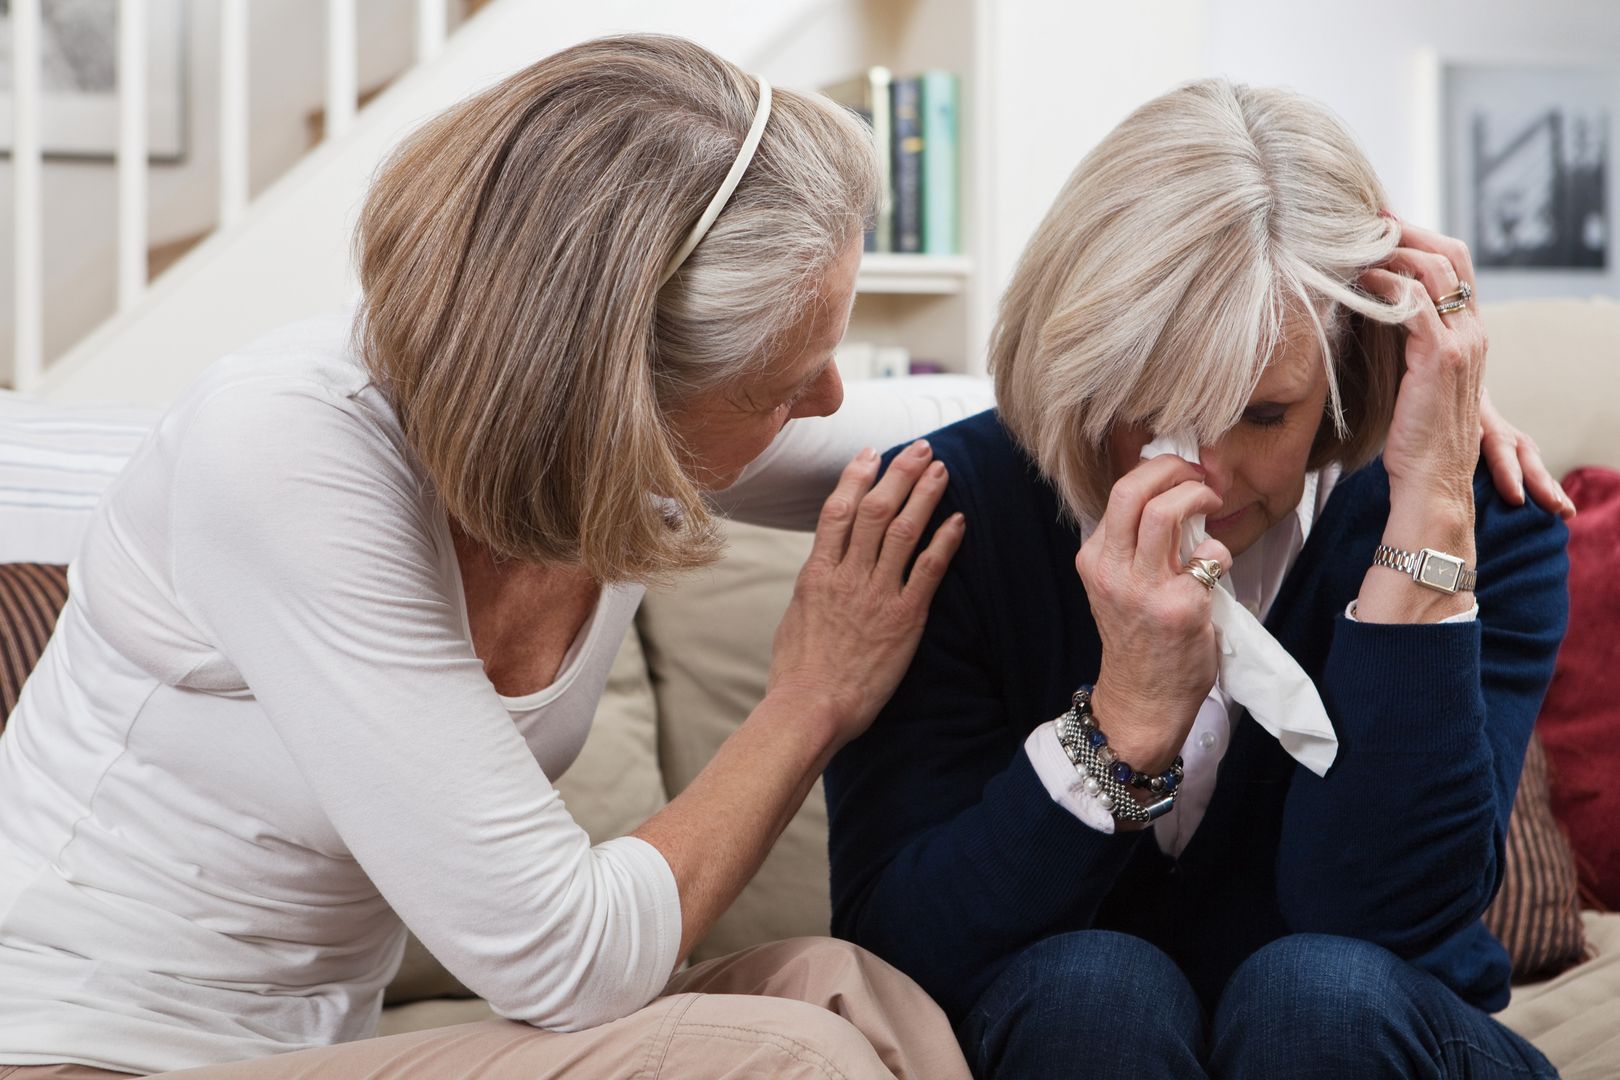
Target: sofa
{"points": [[696, 658]]}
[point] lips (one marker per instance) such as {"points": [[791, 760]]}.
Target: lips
{"points": [[1229, 520]]}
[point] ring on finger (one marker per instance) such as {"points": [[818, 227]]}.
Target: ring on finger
{"points": [[1206, 571], [1455, 301]]}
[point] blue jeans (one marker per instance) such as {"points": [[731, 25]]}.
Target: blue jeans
{"points": [[1100, 1004]]}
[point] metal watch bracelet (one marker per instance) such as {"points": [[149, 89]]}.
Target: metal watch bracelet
{"points": [[1437, 570]]}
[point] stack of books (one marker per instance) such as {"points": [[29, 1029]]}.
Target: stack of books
{"points": [[915, 122]]}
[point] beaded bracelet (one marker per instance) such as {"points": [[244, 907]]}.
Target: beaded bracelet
{"points": [[1168, 780], [1105, 776]]}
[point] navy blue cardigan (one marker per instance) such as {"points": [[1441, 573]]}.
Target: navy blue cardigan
{"points": [[949, 857]]}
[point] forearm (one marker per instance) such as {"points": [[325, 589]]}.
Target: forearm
{"points": [[1398, 843], [715, 834], [988, 865]]}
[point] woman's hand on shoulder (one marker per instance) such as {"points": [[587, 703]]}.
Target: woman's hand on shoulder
{"points": [[857, 615], [1158, 641], [1515, 463]]}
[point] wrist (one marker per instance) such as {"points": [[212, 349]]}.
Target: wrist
{"points": [[1392, 595], [1442, 524], [815, 722], [1142, 729], [1445, 497]]}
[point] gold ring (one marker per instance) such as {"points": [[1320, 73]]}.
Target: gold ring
{"points": [[1206, 571], [1455, 301]]}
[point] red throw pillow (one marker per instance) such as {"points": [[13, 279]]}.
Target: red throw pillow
{"points": [[1580, 720]]}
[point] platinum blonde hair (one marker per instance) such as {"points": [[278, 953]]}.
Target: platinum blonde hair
{"points": [[1162, 280], [510, 255]]}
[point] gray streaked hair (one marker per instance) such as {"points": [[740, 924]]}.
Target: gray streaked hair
{"points": [[510, 255], [1158, 286]]}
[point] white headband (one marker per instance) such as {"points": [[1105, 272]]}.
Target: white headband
{"points": [[745, 155]]}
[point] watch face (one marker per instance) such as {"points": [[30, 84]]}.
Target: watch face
{"points": [[1439, 571]]}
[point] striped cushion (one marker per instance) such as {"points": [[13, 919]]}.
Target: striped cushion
{"points": [[1537, 915], [31, 596]]}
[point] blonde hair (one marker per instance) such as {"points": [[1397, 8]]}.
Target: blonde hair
{"points": [[1159, 285], [510, 253]]}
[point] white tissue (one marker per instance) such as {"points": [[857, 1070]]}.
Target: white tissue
{"points": [[1253, 666]]}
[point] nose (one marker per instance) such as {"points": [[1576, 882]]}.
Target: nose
{"points": [[1217, 469], [824, 395]]}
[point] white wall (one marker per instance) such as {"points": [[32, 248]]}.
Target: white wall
{"points": [[1362, 60], [1065, 73], [287, 42], [290, 257]]}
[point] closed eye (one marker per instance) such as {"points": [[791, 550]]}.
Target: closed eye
{"points": [[1266, 418]]}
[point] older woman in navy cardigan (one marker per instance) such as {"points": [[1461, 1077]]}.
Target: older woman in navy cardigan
{"points": [[1140, 880]]}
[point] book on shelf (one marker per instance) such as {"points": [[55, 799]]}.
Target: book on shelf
{"points": [[941, 163], [916, 126], [868, 95], [907, 168]]}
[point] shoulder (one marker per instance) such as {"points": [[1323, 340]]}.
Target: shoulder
{"points": [[987, 467], [294, 403]]}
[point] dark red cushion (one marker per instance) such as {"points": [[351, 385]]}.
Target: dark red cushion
{"points": [[1580, 720]]}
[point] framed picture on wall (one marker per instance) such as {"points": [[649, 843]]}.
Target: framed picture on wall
{"points": [[1527, 156], [79, 78]]}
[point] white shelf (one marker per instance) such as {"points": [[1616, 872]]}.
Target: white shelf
{"points": [[939, 275]]}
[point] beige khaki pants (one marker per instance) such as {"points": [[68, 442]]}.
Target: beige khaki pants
{"points": [[811, 1008]]}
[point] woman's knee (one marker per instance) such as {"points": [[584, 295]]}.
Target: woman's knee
{"points": [[1133, 1003], [1351, 996], [739, 1035]]}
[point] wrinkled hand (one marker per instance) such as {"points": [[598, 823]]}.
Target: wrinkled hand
{"points": [[1434, 436], [1158, 641], [856, 616]]}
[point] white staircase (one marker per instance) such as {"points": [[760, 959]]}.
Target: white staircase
{"points": [[285, 254]]}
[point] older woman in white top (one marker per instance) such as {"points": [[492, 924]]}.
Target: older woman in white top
{"points": [[351, 607]]}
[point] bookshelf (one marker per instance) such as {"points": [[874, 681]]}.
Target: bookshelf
{"points": [[938, 307]]}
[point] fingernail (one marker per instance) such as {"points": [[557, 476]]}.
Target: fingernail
{"points": [[958, 519], [868, 454], [1520, 490], [919, 448]]}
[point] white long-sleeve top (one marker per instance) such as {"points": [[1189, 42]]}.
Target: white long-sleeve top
{"points": [[260, 744]]}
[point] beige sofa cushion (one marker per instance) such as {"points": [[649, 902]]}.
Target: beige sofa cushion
{"points": [[1552, 371], [709, 646], [1575, 1018], [613, 786]]}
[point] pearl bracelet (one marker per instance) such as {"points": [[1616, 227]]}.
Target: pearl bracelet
{"points": [[1104, 775]]}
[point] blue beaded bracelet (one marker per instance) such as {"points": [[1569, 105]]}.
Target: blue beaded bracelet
{"points": [[1119, 769]]}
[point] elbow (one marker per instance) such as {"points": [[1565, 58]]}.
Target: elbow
{"points": [[580, 1010], [1409, 916], [608, 949]]}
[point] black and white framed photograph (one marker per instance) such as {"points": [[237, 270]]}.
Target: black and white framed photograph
{"points": [[1528, 164], [79, 78]]}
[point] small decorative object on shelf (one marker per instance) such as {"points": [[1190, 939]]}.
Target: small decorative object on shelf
{"points": [[863, 360]]}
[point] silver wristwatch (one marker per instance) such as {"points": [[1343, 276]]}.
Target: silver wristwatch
{"points": [[1430, 568]]}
